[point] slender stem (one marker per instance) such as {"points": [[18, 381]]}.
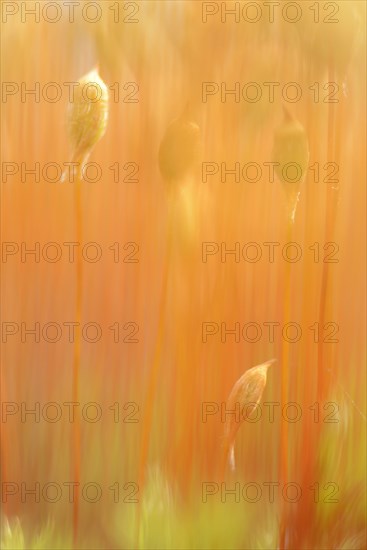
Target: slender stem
{"points": [[331, 201], [76, 358], [153, 376], [4, 443], [284, 465]]}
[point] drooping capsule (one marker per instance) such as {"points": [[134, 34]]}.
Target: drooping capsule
{"points": [[329, 39], [246, 392], [180, 149], [87, 116], [179, 156], [291, 155]]}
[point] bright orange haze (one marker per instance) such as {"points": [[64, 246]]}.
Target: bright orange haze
{"points": [[191, 279]]}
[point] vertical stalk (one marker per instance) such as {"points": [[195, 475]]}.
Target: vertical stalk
{"points": [[153, 375], [4, 444], [323, 381], [284, 463], [76, 358]]}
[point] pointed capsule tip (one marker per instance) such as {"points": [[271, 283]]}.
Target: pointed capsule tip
{"points": [[269, 362], [92, 75]]}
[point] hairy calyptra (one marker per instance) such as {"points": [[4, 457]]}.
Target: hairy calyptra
{"points": [[87, 117]]}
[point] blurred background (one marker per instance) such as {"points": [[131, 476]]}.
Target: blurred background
{"points": [[151, 441]]}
